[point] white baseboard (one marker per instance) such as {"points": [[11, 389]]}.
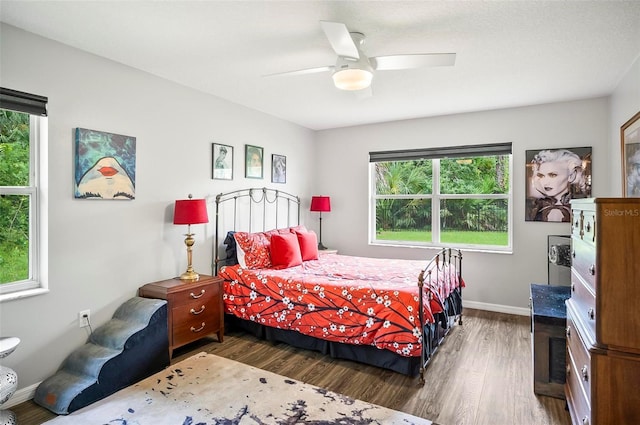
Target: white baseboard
{"points": [[496, 307], [20, 396]]}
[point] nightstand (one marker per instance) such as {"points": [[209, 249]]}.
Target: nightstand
{"points": [[194, 308], [327, 251]]}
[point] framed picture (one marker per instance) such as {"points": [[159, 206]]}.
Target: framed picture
{"points": [[105, 165], [630, 144], [554, 177], [278, 168], [222, 162], [253, 156]]}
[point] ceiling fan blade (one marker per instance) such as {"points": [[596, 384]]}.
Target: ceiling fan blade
{"points": [[394, 62], [340, 39], [302, 71]]}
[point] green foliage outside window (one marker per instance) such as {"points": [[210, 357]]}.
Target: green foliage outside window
{"points": [[472, 196], [14, 208]]}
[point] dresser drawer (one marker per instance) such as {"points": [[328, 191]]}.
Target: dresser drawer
{"points": [[583, 225], [576, 399], [578, 359], [584, 300], [584, 261]]}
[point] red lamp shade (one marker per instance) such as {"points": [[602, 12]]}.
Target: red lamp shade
{"points": [[190, 211], [320, 203]]}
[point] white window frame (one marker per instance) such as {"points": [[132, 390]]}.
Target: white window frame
{"points": [[37, 282], [436, 197]]}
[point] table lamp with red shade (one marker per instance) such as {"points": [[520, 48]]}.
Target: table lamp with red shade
{"points": [[190, 211]]}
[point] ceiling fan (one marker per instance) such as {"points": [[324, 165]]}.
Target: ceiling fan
{"points": [[354, 71]]}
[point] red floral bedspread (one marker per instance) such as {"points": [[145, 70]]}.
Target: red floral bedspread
{"points": [[353, 300]]}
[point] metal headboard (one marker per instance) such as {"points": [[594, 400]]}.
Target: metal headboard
{"points": [[272, 203]]}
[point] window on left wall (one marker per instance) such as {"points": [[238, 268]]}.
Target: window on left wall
{"points": [[23, 134]]}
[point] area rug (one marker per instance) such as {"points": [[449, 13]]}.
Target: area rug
{"points": [[210, 390]]}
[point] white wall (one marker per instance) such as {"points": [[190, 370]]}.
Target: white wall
{"points": [[495, 281], [102, 251], [624, 104]]}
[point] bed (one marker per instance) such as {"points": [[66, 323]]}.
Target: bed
{"points": [[389, 313]]}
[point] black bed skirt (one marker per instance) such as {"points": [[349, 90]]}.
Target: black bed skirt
{"points": [[434, 334]]}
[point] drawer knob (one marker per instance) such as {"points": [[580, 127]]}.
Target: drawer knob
{"points": [[568, 370], [592, 269], [588, 227], [197, 329], [585, 420], [568, 331], [591, 314], [194, 296], [193, 311], [585, 372], [573, 287], [574, 253]]}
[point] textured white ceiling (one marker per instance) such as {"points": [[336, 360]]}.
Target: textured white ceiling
{"points": [[508, 53]]}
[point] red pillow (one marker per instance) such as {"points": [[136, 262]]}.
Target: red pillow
{"points": [[285, 251], [294, 229], [308, 245]]}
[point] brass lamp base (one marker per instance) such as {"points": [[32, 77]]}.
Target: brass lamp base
{"points": [[189, 275]]}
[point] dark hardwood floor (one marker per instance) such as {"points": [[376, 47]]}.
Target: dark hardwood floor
{"points": [[482, 374]]}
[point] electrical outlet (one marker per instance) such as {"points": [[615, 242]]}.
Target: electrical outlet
{"points": [[83, 318]]}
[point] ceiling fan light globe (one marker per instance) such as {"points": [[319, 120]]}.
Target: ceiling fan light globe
{"points": [[352, 79]]}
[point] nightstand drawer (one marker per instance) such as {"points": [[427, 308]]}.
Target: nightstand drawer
{"points": [[186, 331], [194, 312], [196, 294]]}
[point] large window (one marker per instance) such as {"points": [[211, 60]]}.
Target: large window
{"points": [[21, 132], [456, 196]]}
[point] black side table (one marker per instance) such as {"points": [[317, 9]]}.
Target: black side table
{"points": [[548, 339]]}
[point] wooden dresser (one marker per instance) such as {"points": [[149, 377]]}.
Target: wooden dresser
{"points": [[194, 308], [603, 313]]}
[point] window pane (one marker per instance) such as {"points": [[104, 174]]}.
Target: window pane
{"points": [[403, 220], [14, 148], [479, 175], [14, 238], [404, 177], [474, 221]]}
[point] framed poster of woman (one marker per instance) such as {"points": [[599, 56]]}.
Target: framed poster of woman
{"points": [[253, 156], [278, 168], [630, 145], [222, 162], [554, 177]]}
